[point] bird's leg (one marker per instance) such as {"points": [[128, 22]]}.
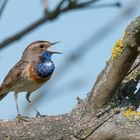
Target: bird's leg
{"points": [[15, 97], [27, 98], [19, 117]]}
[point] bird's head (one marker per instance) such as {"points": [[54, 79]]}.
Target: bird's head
{"points": [[37, 49]]}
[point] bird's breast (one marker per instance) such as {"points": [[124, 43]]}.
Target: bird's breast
{"points": [[34, 75], [45, 69]]}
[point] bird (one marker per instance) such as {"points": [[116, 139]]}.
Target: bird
{"points": [[32, 71]]}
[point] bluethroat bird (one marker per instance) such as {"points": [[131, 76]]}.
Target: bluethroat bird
{"points": [[33, 70]]}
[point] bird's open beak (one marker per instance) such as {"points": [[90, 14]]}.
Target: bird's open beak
{"points": [[56, 52], [51, 44]]}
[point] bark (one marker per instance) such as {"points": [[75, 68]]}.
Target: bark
{"points": [[98, 117]]}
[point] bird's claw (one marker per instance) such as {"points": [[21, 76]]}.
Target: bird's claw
{"points": [[20, 118], [39, 115]]}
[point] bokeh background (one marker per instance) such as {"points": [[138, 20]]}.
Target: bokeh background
{"points": [[87, 37]]}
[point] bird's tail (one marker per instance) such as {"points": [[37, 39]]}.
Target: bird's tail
{"points": [[3, 93]]}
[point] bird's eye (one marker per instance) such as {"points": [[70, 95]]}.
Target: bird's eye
{"points": [[41, 46]]}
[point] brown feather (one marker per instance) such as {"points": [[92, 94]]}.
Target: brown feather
{"points": [[3, 92], [2, 96], [33, 75], [13, 75]]}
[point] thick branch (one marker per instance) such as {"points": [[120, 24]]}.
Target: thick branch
{"points": [[68, 127], [115, 70]]}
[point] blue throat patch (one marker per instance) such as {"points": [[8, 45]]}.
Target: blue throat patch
{"points": [[46, 65], [46, 55]]}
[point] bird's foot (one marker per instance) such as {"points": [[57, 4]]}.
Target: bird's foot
{"points": [[21, 118], [39, 115]]}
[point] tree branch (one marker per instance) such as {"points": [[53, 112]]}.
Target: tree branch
{"points": [[46, 18], [115, 71]]}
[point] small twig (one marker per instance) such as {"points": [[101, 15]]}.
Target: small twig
{"points": [[75, 5], [50, 16], [45, 4], [61, 4], [2, 7], [79, 100], [105, 5]]}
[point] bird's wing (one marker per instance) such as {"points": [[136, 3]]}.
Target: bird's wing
{"points": [[14, 74]]}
